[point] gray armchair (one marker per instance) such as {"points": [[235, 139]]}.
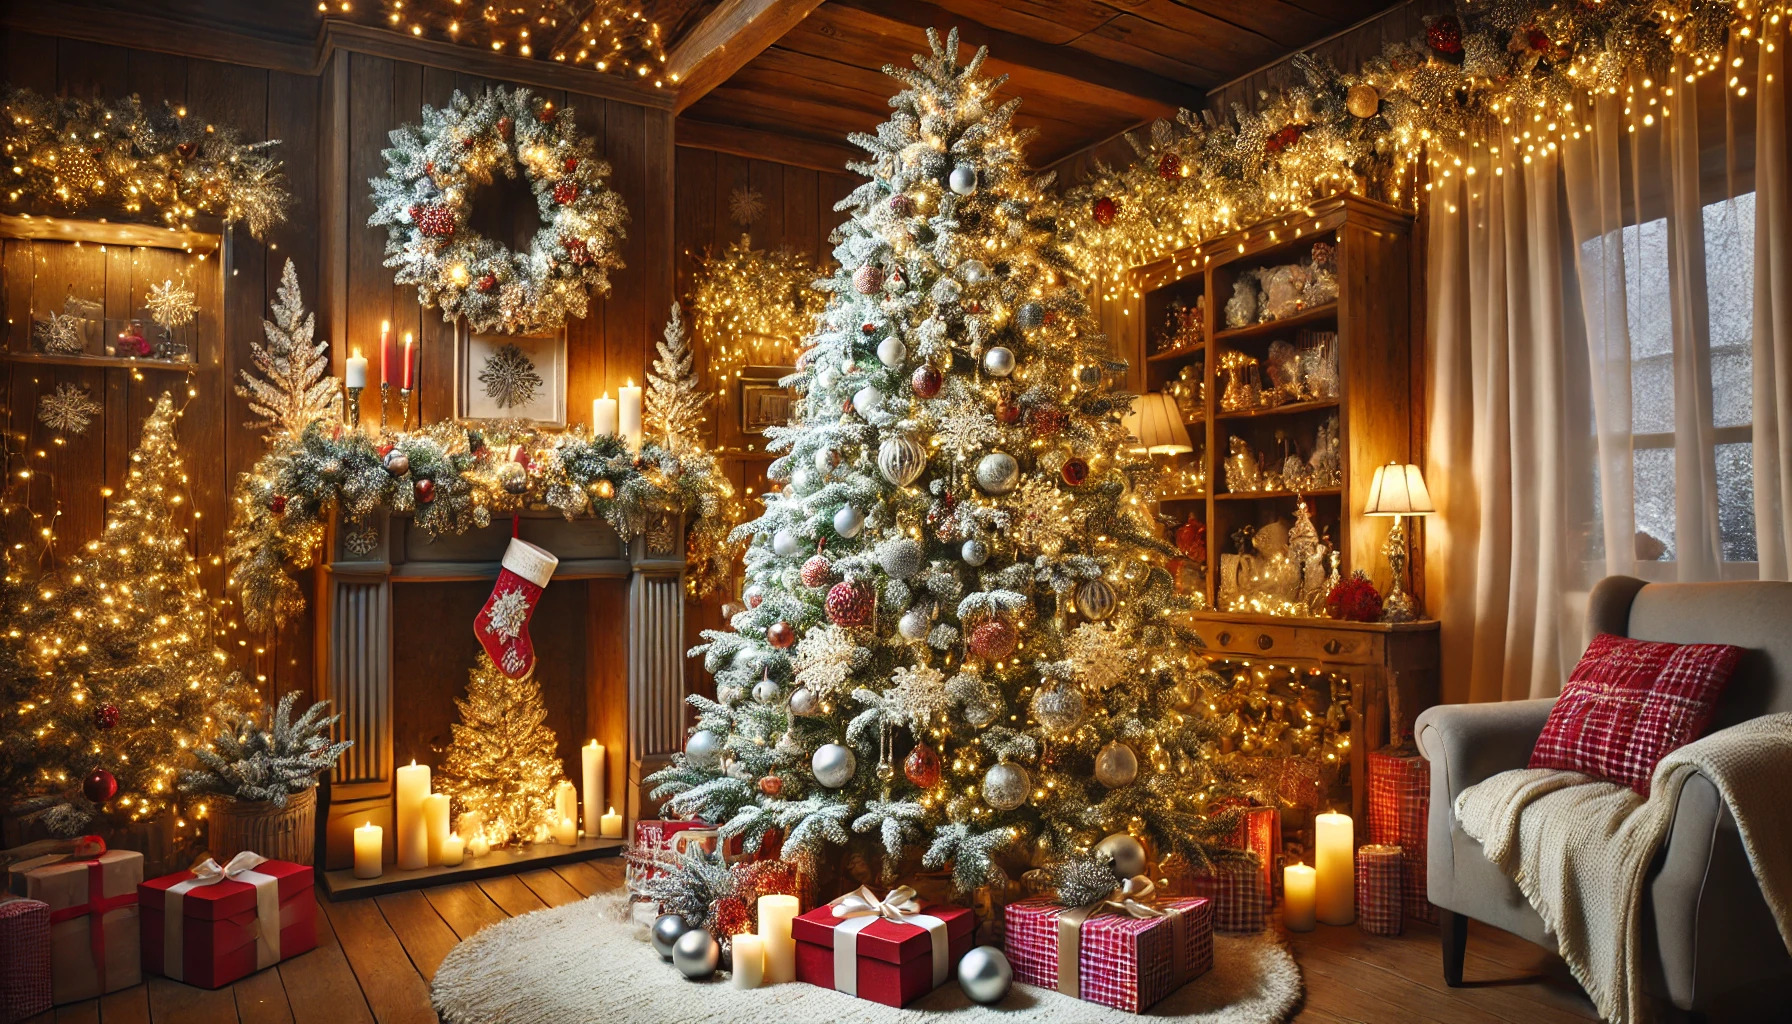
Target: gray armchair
{"points": [[1710, 942]]}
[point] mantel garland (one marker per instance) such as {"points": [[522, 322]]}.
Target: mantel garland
{"points": [[425, 202], [66, 153], [1505, 75], [454, 478]]}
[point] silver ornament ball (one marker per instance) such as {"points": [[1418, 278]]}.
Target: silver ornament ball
{"points": [[901, 459], [900, 558], [1059, 708], [867, 400], [1006, 786], [834, 765], [974, 552], [998, 361], [703, 747], [963, 180], [891, 352], [974, 272], [998, 473], [1123, 853], [666, 931], [1095, 600], [985, 975], [915, 624], [785, 544], [696, 954], [766, 692], [803, 701], [848, 521], [1116, 765]]}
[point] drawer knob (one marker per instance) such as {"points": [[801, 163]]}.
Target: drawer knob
{"points": [[1225, 637], [1334, 645], [1265, 641]]}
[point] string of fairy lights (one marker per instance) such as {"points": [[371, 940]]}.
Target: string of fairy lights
{"points": [[752, 307], [613, 36]]}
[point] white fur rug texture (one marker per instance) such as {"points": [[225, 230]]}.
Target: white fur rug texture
{"points": [[587, 963]]}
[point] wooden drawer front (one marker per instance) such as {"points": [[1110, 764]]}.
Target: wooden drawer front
{"points": [[1305, 642]]}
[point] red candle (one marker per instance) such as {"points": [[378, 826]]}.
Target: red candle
{"points": [[385, 350], [410, 361]]}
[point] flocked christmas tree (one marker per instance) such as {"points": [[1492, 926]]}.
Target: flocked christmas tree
{"points": [[961, 637], [295, 386], [124, 660], [501, 761]]}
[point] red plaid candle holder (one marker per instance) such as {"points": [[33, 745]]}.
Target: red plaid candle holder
{"points": [[1378, 886], [1399, 805], [1238, 890], [1108, 957], [24, 958]]}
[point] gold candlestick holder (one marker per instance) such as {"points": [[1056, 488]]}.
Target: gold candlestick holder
{"points": [[354, 408], [404, 408], [385, 397]]}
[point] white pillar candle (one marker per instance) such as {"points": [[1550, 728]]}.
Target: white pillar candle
{"points": [[1334, 864], [477, 847], [566, 832], [354, 374], [591, 779], [566, 800], [1297, 897], [775, 915], [603, 416], [413, 834], [368, 850], [629, 414], [749, 960], [453, 850], [435, 824], [610, 826]]}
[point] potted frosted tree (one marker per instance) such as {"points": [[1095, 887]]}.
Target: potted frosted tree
{"points": [[265, 780]]}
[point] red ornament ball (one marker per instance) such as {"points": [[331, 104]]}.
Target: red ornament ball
{"points": [[1169, 166], [565, 192], [506, 127], [771, 785], [571, 164], [99, 786], [868, 327], [488, 282], [1074, 471], [926, 381], [547, 113], [1444, 36], [1354, 600], [868, 279], [106, 715], [922, 766], [1047, 421], [1191, 538], [849, 604], [994, 639], [729, 916], [433, 221], [780, 635], [816, 571], [1105, 210], [277, 504], [426, 490]]}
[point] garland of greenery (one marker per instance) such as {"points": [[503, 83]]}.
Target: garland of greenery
{"points": [[65, 153], [425, 202], [1497, 73]]}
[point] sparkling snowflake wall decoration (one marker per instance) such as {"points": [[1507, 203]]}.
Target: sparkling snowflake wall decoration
{"points": [[746, 205], [59, 334], [171, 303], [67, 410], [509, 377]]}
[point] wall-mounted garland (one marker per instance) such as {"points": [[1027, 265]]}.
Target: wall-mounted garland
{"points": [[1497, 73], [425, 202], [66, 154], [753, 306]]}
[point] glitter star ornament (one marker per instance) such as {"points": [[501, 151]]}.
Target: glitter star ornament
{"points": [[510, 377], [171, 303], [67, 410], [59, 334]]}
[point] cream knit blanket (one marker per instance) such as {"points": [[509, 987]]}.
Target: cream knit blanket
{"points": [[1580, 849]]}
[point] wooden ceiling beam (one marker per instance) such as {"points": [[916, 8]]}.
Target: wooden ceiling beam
{"points": [[1106, 80], [753, 144], [725, 40]]}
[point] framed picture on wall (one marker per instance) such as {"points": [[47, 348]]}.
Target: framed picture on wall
{"points": [[763, 401], [510, 377]]}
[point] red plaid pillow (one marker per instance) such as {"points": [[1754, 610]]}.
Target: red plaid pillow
{"points": [[1628, 703]]}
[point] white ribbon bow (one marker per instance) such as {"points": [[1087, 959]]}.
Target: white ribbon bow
{"points": [[1133, 897], [859, 908], [208, 872]]}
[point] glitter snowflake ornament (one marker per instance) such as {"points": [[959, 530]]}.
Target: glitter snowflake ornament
{"points": [[510, 377], [509, 613], [67, 410], [59, 334], [171, 303], [746, 205]]}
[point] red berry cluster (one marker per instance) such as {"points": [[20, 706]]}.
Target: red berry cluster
{"points": [[1354, 600], [577, 251], [565, 192], [434, 221]]}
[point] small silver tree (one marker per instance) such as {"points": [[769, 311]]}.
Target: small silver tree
{"points": [[295, 386], [675, 398]]}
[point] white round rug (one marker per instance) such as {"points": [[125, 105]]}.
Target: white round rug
{"points": [[587, 961]]}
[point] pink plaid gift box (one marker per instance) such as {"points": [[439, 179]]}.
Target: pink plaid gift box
{"points": [[1399, 804], [1260, 831], [1238, 890], [1378, 885], [1107, 956], [24, 958]]}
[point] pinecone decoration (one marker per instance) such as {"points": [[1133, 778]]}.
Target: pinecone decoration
{"points": [[816, 571], [849, 604], [994, 639], [577, 251], [433, 221], [565, 192]]}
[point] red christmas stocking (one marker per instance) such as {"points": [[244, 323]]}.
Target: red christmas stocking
{"points": [[503, 624]]}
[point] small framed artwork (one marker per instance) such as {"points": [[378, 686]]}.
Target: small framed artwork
{"points": [[763, 401], [510, 377]]}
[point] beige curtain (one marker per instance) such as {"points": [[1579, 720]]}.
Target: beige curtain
{"points": [[1772, 349]]}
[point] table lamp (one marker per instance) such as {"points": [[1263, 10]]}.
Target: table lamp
{"points": [[1398, 491], [1157, 423]]}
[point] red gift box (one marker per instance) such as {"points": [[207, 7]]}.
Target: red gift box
{"points": [[1238, 889], [229, 922], [1260, 831], [1399, 805], [24, 958], [891, 962], [1118, 960], [1378, 888]]}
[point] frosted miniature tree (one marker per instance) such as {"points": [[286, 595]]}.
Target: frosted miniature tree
{"points": [[295, 386], [675, 399], [961, 638]]}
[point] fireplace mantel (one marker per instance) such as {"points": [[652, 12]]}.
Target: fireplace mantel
{"points": [[378, 563]]}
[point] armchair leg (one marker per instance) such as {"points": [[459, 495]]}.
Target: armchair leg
{"points": [[1453, 927]]}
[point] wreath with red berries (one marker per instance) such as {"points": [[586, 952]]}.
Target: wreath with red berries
{"points": [[425, 202]]}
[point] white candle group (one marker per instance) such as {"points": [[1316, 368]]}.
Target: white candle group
{"points": [[775, 916], [354, 375], [413, 832], [368, 850], [435, 822], [1334, 863], [749, 960], [629, 414], [591, 780], [566, 832], [566, 801], [603, 416], [610, 825], [1297, 897]]}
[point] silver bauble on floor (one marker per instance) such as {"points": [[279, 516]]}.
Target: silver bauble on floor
{"points": [[985, 975]]}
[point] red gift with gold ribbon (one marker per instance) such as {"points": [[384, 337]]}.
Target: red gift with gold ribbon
{"points": [[1127, 951]]}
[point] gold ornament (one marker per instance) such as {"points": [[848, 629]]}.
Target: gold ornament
{"points": [[1362, 100]]}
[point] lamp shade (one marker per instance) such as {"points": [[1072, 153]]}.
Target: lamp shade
{"points": [[1398, 490], [1157, 423]]}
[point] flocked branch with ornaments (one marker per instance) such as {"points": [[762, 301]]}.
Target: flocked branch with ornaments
{"points": [[961, 639]]}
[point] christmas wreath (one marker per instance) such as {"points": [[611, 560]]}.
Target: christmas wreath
{"points": [[425, 201]]}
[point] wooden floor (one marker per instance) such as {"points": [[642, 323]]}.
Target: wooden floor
{"points": [[375, 958]]}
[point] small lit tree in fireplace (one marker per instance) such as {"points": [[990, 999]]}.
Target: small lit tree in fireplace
{"points": [[501, 762]]}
